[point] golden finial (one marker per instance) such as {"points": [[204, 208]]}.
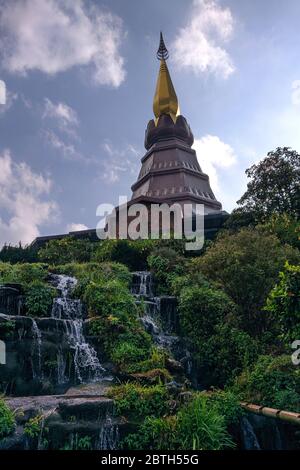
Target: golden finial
{"points": [[165, 99]]}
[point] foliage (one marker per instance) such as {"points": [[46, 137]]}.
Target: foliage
{"points": [[108, 298], [39, 299], [274, 184], [78, 443], [156, 360], [228, 405], [285, 227], [201, 309], [18, 254], [197, 426], [32, 428], [131, 253], [165, 264], [7, 328], [271, 381], [221, 357], [96, 272], [67, 250], [7, 420], [23, 274], [284, 303], [139, 400], [246, 264]]}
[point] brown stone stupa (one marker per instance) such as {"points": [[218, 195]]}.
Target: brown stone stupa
{"points": [[170, 170]]}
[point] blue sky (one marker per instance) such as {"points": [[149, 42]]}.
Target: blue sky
{"points": [[77, 80]]}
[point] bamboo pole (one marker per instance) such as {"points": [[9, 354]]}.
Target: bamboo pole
{"points": [[288, 416]]}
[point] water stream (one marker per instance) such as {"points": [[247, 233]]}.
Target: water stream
{"points": [[70, 312]]}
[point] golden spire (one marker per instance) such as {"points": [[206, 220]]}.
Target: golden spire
{"points": [[165, 99]]}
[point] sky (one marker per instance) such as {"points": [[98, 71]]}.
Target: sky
{"points": [[77, 79]]}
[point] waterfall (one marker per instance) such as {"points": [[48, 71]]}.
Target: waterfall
{"points": [[250, 441], [108, 436], [70, 312], [160, 319], [142, 284], [37, 344]]}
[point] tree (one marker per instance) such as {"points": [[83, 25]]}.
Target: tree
{"points": [[284, 303], [246, 264], [274, 185]]}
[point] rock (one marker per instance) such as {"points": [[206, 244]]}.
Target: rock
{"points": [[173, 365]]}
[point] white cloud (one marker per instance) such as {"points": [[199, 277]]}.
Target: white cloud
{"points": [[54, 35], [65, 116], [2, 93], [67, 150], [214, 154], [199, 44], [76, 227], [296, 92], [8, 97], [22, 200], [119, 161]]}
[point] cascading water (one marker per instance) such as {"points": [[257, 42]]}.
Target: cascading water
{"points": [[142, 284], [70, 312], [108, 436], [160, 318], [37, 344], [250, 441]]}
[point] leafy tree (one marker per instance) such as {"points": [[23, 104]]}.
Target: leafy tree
{"points": [[284, 303], [274, 185], [246, 265], [285, 227], [18, 254]]}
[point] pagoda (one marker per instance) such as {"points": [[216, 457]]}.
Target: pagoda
{"points": [[170, 171]]}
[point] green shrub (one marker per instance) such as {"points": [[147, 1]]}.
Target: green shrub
{"points": [[7, 420], [271, 381], [220, 358], [67, 250], [106, 298], [228, 405], [197, 426], [96, 272], [165, 264], [23, 274], [32, 428], [201, 309], [126, 354], [39, 299], [131, 253], [139, 401], [284, 303]]}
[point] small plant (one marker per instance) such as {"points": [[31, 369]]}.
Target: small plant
{"points": [[78, 443], [33, 427], [197, 426], [39, 298], [139, 400], [7, 420]]}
